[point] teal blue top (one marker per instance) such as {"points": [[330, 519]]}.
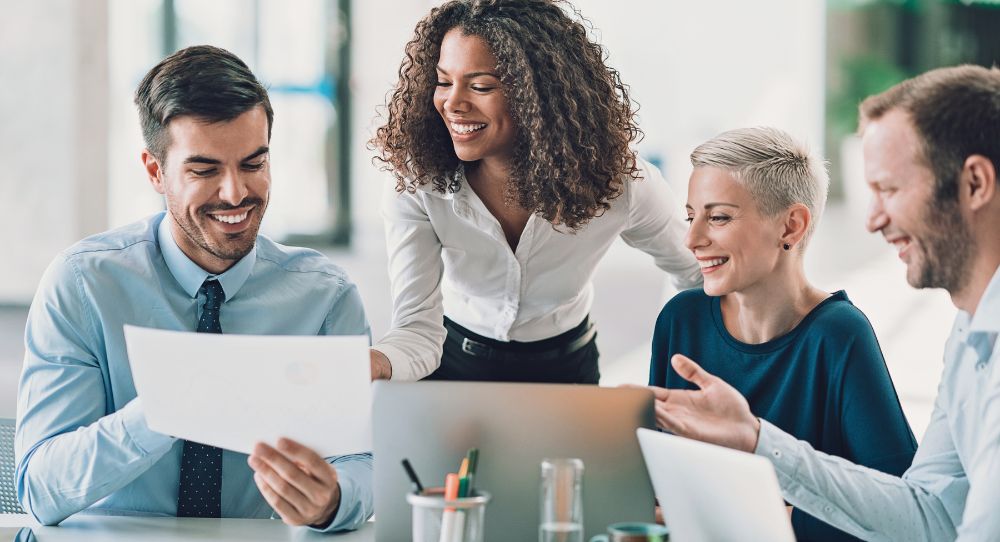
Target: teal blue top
{"points": [[824, 382], [82, 440]]}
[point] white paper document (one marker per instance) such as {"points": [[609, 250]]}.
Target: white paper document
{"points": [[232, 391]]}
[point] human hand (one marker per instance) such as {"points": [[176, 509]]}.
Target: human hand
{"points": [[381, 368], [715, 413], [298, 484]]}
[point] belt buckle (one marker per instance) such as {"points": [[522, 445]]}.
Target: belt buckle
{"points": [[474, 348]]}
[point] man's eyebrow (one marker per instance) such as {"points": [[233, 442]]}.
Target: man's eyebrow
{"points": [[264, 149], [199, 159]]}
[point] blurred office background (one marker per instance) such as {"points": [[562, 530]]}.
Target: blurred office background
{"points": [[70, 141]]}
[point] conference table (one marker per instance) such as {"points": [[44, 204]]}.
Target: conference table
{"points": [[101, 528]]}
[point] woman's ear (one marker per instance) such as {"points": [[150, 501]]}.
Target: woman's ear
{"points": [[796, 225]]}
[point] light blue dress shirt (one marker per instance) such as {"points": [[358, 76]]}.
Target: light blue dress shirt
{"points": [[82, 441], [952, 489]]}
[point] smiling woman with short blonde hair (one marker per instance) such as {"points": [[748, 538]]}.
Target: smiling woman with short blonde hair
{"points": [[806, 360]]}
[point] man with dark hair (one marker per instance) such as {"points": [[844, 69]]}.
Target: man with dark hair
{"points": [[932, 150], [82, 441]]}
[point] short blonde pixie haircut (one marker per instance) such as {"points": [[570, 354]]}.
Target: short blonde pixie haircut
{"points": [[777, 170]]}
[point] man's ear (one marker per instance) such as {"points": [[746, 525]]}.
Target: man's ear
{"points": [[797, 220], [979, 181], [153, 170]]}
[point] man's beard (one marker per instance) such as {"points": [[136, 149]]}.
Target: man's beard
{"points": [[235, 246], [947, 247]]}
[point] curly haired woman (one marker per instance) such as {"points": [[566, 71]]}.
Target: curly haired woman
{"points": [[509, 139]]}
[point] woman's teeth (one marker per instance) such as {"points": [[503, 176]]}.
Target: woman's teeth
{"points": [[466, 128], [712, 263]]}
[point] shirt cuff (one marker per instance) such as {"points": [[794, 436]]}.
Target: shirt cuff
{"points": [[145, 439], [354, 473], [780, 448], [402, 369]]}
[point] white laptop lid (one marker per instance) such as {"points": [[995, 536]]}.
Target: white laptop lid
{"points": [[710, 493]]}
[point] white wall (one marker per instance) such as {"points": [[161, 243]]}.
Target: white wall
{"points": [[699, 68], [381, 29], [53, 134]]}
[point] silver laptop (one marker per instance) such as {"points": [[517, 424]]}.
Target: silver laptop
{"points": [[710, 493], [514, 426]]}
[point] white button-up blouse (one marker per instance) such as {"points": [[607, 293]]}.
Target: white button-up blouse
{"points": [[448, 256]]}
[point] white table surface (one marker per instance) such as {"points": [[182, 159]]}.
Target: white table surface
{"points": [[95, 528]]}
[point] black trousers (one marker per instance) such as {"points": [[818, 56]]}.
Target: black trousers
{"points": [[517, 365]]}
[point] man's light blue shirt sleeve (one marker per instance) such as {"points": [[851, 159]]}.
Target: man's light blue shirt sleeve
{"points": [[867, 503], [70, 451], [357, 500]]}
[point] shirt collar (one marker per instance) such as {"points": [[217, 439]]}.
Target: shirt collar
{"points": [[987, 316], [190, 275]]}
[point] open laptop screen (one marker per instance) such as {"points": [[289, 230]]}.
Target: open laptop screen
{"points": [[711, 493]]}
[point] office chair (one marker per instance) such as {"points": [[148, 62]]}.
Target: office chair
{"points": [[8, 487]]}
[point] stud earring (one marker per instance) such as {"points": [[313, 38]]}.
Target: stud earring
{"points": [[786, 246]]}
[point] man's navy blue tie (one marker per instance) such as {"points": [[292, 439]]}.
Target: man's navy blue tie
{"points": [[200, 491]]}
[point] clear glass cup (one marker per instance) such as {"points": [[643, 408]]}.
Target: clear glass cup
{"points": [[562, 500], [438, 520]]}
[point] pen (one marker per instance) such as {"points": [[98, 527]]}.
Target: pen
{"points": [[413, 476]]}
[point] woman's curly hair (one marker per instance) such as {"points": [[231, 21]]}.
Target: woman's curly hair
{"points": [[574, 119]]}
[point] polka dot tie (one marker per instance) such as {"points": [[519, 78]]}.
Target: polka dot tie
{"points": [[200, 491]]}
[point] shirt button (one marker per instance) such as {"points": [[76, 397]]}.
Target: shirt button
{"points": [[828, 509], [776, 454]]}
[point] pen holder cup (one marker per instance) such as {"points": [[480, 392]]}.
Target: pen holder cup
{"points": [[438, 520]]}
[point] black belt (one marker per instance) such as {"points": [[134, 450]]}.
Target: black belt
{"points": [[480, 349]]}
